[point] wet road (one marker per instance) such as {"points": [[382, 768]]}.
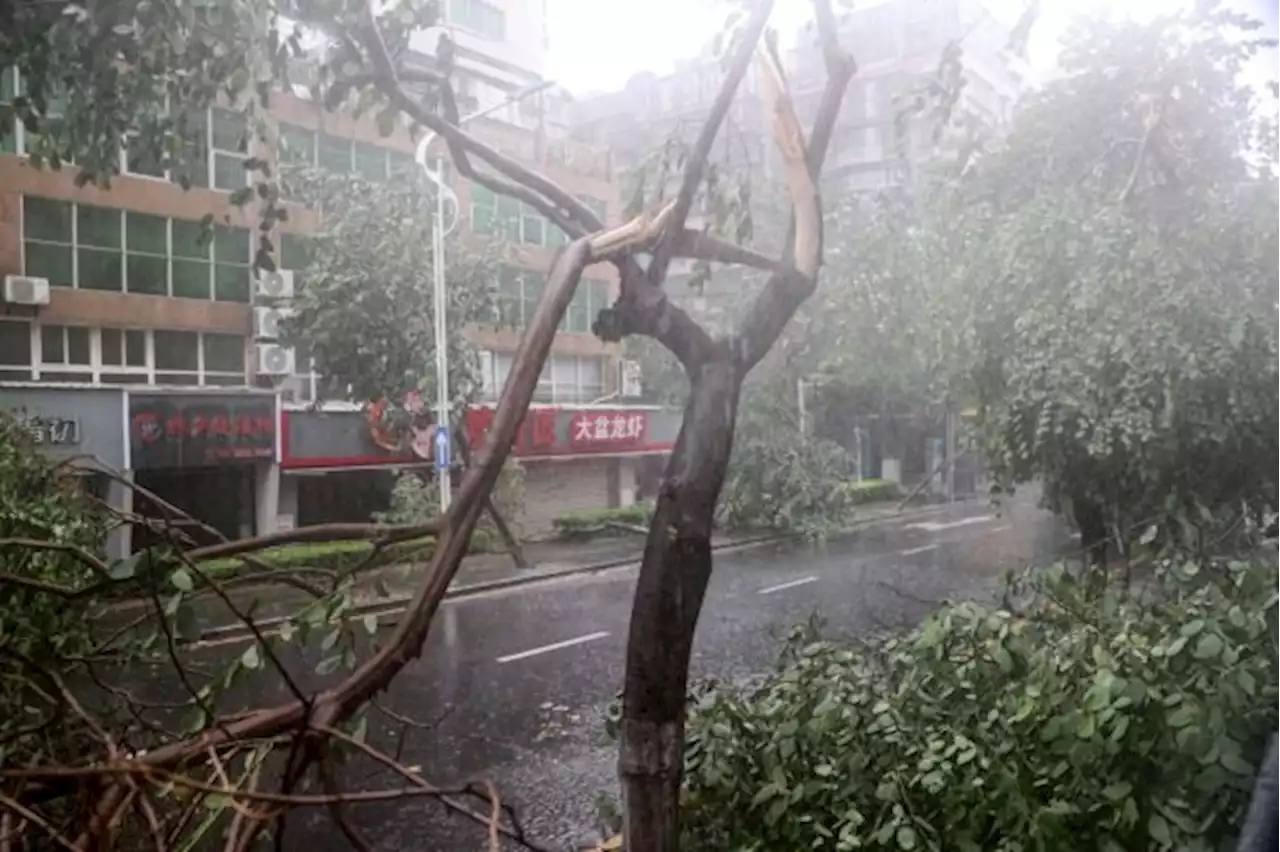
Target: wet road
{"points": [[519, 679]]}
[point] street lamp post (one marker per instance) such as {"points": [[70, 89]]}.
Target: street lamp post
{"points": [[438, 233]]}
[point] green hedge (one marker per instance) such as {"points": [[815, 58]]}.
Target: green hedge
{"points": [[341, 554], [595, 521], [1106, 724], [873, 491]]}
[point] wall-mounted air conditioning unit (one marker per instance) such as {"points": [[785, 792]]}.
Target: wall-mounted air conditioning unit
{"points": [[274, 359], [25, 290], [266, 322], [275, 285]]}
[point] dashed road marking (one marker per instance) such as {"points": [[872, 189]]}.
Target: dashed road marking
{"points": [[788, 585], [939, 526], [554, 646], [918, 550]]}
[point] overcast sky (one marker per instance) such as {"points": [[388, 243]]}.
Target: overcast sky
{"points": [[596, 45]]}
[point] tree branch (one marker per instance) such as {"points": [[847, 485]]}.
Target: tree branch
{"points": [[777, 303], [695, 167]]}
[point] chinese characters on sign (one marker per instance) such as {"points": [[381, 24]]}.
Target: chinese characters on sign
{"points": [[189, 431], [554, 432], [53, 431], [606, 429]]}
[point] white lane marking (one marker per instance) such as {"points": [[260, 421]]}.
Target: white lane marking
{"points": [[789, 585], [554, 646], [930, 526], [918, 550]]}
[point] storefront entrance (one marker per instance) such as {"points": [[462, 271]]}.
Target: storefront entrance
{"points": [[219, 497]]}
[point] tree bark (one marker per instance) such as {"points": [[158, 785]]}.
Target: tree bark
{"points": [[674, 573]]}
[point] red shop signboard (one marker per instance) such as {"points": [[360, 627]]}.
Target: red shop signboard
{"points": [[561, 432]]}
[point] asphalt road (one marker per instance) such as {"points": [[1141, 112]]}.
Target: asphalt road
{"points": [[517, 681], [520, 679]]}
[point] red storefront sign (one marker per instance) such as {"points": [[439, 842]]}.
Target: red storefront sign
{"points": [[555, 432]]}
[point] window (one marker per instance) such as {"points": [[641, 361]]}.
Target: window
{"points": [[100, 248], [481, 18], [223, 359], [112, 356], [9, 130], [590, 297], [228, 147], [597, 206], [565, 379], [15, 351], [216, 143], [511, 220]]}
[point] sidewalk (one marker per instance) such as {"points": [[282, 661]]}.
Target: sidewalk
{"points": [[392, 585]]}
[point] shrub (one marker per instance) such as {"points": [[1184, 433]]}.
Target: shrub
{"points": [[1098, 724], [40, 633], [342, 554], [597, 521], [873, 491]]}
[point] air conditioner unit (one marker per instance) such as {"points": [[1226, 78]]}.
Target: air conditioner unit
{"points": [[274, 359], [629, 378], [275, 285], [24, 290], [266, 322]]}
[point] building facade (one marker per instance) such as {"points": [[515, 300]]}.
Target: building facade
{"points": [[136, 345]]}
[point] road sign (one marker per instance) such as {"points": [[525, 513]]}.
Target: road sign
{"points": [[442, 448]]}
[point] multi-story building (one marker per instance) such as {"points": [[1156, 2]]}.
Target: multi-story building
{"points": [[897, 44], [129, 340]]}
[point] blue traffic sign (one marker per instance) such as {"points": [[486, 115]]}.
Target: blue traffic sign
{"points": [[442, 448]]}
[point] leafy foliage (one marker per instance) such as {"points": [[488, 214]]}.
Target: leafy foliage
{"points": [[414, 500], [364, 307], [40, 501], [1080, 723], [596, 521], [780, 479], [873, 491]]}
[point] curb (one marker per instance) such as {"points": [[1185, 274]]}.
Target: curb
{"points": [[238, 632]]}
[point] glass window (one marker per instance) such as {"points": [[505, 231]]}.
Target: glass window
{"points": [[8, 129], [297, 145], [15, 344], [223, 353], [192, 270], [334, 153], [61, 344], [590, 379], [370, 161], [194, 168], [230, 137], [509, 297], [46, 219], [564, 379], [46, 227], [533, 283], [295, 251], [147, 250], [532, 226], [177, 350], [484, 212], [508, 212], [112, 343], [232, 273]]}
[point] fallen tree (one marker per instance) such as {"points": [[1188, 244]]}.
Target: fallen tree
{"points": [[110, 793]]}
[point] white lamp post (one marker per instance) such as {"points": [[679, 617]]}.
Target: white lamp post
{"points": [[438, 233]]}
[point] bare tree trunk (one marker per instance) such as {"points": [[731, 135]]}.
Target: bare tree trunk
{"points": [[674, 573]]}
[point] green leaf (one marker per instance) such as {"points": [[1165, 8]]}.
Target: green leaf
{"points": [[371, 623], [1234, 763], [1158, 828], [250, 658], [181, 580], [1209, 646], [1117, 790], [126, 568], [906, 836]]}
